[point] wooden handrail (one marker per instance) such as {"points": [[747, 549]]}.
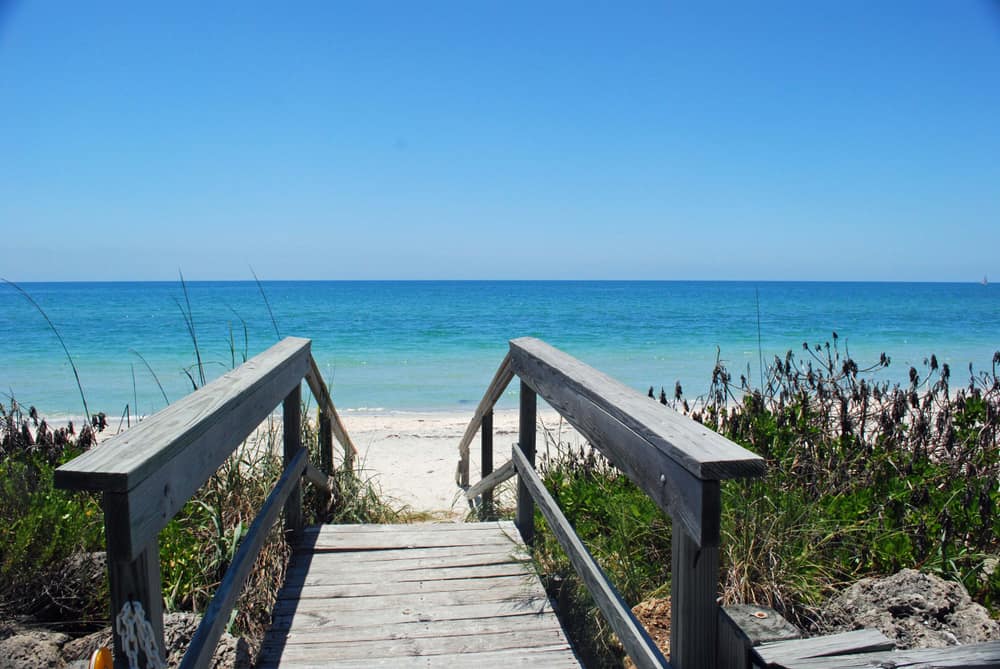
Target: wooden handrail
{"points": [[560, 377], [149, 472], [630, 631], [677, 462], [237, 401], [504, 375], [319, 390]]}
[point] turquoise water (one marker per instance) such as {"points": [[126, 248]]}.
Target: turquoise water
{"points": [[435, 345]]}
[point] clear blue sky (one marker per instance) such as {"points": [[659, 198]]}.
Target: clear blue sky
{"points": [[341, 140]]}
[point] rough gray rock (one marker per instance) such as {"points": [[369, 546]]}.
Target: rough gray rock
{"points": [[913, 609], [178, 628], [22, 647]]}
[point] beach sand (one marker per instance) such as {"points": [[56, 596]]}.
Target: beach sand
{"points": [[413, 457]]}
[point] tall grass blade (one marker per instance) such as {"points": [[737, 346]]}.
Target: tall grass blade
{"points": [[155, 378], [189, 322], [260, 287], [76, 375]]}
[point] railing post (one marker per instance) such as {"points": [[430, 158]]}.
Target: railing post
{"points": [[694, 586], [526, 440], [326, 442], [292, 429], [486, 429], [135, 580]]}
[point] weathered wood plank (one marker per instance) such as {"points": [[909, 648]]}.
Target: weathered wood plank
{"points": [[313, 618], [403, 538], [630, 631], [974, 656], [419, 646], [362, 557], [126, 459], [213, 624], [845, 643], [488, 483], [504, 375], [704, 453], [437, 573], [410, 601], [743, 626], [558, 656], [507, 526], [441, 628], [495, 583], [327, 563]]}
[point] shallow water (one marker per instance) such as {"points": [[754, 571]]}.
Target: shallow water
{"points": [[435, 345]]}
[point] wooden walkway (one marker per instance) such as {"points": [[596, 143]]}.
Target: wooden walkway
{"points": [[424, 595]]}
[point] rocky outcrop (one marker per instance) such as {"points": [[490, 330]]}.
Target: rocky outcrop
{"points": [[23, 647], [913, 609]]}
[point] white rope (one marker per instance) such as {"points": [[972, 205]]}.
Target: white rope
{"points": [[136, 634]]}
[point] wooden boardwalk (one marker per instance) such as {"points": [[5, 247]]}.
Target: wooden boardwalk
{"points": [[423, 595]]}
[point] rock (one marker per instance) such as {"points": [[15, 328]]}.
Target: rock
{"points": [[913, 609], [22, 647], [178, 628]]}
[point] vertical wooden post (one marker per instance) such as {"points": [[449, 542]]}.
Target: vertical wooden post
{"points": [[325, 442], [292, 428], [694, 586], [525, 520], [486, 428], [135, 580]]}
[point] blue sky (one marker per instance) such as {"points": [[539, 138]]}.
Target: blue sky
{"points": [[339, 140]]}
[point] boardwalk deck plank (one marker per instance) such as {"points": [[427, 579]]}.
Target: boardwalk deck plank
{"points": [[434, 595]]}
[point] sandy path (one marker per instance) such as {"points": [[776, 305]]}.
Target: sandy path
{"points": [[413, 456]]}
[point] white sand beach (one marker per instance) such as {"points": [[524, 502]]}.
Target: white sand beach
{"points": [[413, 456]]}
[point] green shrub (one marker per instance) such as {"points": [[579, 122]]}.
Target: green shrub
{"points": [[42, 528]]}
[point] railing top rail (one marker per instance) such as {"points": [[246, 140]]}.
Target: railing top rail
{"points": [[231, 403], [564, 381]]}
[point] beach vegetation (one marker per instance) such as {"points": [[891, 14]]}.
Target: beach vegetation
{"points": [[43, 528], [865, 477]]}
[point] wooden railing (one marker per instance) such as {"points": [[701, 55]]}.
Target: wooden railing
{"points": [[678, 462], [149, 472]]}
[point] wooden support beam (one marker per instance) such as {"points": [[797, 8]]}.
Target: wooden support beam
{"points": [[525, 519], [694, 583], [486, 432], [325, 442], [132, 579], [498, 476], [292, 428]]}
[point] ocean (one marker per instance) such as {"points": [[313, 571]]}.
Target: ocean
{"points": [[434, 345]]}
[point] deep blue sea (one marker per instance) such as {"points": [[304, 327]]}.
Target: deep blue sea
{"points": [[435, 345]]}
